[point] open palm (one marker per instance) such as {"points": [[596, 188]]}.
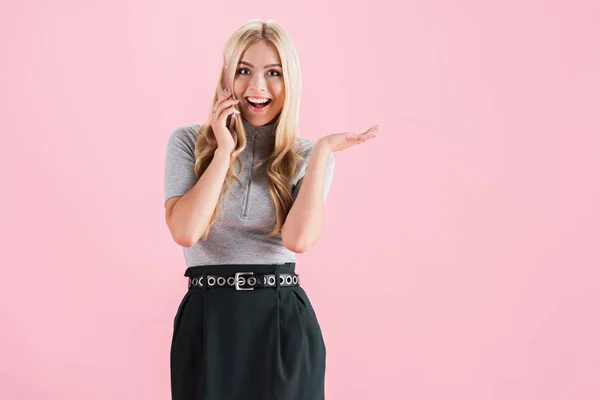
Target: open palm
{"points": [[344, 140]]}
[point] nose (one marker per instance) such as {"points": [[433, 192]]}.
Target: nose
{"points": [[258, 83]]}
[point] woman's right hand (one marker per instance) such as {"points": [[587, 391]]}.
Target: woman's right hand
{"points": [[225, 106]]}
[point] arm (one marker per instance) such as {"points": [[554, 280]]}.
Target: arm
{"points": [[304, 221], [187, 216]]}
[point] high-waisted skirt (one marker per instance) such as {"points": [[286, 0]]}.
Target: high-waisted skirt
{"points": [[261, 344]]}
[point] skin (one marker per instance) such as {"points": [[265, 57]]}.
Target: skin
{"points": [[259, 80]]}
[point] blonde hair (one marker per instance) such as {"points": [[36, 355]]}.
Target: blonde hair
{"points": [[281, 163]]}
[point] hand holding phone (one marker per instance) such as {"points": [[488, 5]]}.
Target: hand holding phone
{"points": [[227, 86], [222, 120]]}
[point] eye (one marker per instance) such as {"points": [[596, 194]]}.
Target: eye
{"points": [[239, 71]]}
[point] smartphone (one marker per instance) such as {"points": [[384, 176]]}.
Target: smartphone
{"points": [[227, 86]]}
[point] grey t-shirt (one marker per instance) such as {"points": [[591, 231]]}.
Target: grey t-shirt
{"points": [[238, 236]]}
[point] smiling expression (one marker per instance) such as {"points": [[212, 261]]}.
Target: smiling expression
{"points": [[259, 77]]}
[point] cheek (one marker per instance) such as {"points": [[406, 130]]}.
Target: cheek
{"points": [[238, 88], [278, 90]]}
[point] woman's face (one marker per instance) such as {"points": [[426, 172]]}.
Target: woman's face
{"points": [[259, 75]]}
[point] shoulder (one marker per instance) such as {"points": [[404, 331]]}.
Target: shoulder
{"points": [[305, 147]]}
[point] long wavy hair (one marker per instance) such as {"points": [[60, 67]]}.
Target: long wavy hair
{"points": [[281, 163]]}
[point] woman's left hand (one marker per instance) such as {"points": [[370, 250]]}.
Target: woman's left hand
{"points": [[344, 140]]}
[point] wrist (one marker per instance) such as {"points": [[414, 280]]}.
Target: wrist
{"points": [[222, 154]]}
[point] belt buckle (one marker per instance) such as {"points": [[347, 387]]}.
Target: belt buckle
{"points": [[237, 281]]}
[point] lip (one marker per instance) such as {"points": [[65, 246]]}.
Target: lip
{"points": [[256, 110]]}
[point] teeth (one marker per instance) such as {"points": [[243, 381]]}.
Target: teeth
{"points": [[255, 100]]}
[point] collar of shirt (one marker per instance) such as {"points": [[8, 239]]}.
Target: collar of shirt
{"points": [[263, 133]]}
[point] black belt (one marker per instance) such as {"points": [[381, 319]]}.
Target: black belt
{"points": [[245, 280]]}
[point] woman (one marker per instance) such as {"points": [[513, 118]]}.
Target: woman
{"points": [[245, 329]]}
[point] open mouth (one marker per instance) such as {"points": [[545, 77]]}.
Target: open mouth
{"points": [[259, 106]]}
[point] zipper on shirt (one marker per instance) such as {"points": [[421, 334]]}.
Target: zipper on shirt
{"points": [[248, 187]]}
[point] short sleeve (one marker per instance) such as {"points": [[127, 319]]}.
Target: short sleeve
{"points": [[179, 174], [329, 167]]}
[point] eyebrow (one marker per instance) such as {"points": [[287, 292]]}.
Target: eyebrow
{"points": [[266, 66]]}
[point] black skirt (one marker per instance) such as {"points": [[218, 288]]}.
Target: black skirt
{"points": [[261, 344]]}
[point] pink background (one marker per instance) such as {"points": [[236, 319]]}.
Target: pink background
{"points": [[478, 200]]}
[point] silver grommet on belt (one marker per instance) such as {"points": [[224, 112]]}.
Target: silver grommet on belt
{"points": [[194, 281], [252, 281], [288, 280], [271, 279], [213, 281], [231, 281], [221, 280]]}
